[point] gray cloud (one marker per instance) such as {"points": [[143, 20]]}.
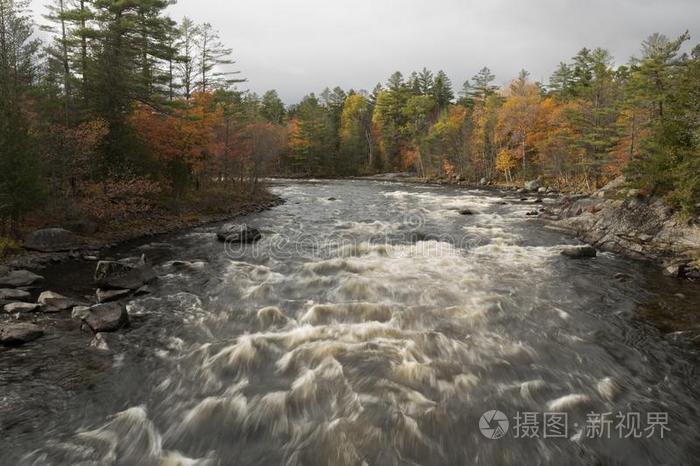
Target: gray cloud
{"points": [[302, 46]]}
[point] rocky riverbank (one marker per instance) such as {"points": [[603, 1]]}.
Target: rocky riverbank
{"points": [[95, 302], [625, 221]]}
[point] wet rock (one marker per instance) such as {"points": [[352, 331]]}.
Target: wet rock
{"points": [[539, 200], [10, 294], [467, 212], [532, 213], [132, 273], [18, 278], [239, 234], [675, 270], [533, 185], [99, 342], [54, 302], [622, 277], [108, 317], [521, 191], [579, 252], [332, 199], [105, 296], [19, 334], [51, 240], [80, 312], [144, 290], [542, 190], [483, 182], [21, 307]]}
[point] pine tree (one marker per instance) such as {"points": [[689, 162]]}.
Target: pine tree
{"points": [[442, 90], [20, 188], [214, 58]]}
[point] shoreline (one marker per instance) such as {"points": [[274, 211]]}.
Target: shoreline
{"points": [[91, 246]]}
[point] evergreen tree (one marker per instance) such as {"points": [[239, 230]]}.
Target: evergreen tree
{"points": [[272, 107], [442, 91]]}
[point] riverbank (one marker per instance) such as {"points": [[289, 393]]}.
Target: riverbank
{"points": [[89, 239], [626, 221]]}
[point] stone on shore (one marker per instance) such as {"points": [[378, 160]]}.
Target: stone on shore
{"points": [[54, 302], [105, 296], [51, 240], [533, 185], [132, 274], [10, 294], [21, 307], [19, 334], [579, 252], [108, 317], [239, 234], [18, 278]]}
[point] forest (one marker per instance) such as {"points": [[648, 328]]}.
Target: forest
{"points": [[123, 111], [592, 122]]}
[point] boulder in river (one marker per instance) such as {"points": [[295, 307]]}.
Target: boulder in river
{"points": [[51, 240], [130, 274], [18, 278], [10, 294], [107, 317], [105, 296], [579, 252], [80, 312], [54, 302], [19, 334], [239, 234], [21, 307], [467, 212]]}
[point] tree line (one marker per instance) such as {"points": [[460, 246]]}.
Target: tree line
{"points": [[120, 111], [590, 123], [123, 111]]}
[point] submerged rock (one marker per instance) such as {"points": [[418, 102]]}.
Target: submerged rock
{"points": [[467, 212], [17, 278], [108, 317], [132, 274], [239, 234], [19, 334], [51, 240], [579, 252]]}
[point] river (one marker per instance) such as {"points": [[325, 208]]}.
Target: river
{"points": [[373, 324]]}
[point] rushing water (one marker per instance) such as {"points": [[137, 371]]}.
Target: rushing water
{"points": [[373, 329]]}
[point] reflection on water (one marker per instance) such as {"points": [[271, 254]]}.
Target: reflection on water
{"points": [[374, 329]]}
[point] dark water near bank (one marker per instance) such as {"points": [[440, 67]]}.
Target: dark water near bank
{"points": [[373, 329]]}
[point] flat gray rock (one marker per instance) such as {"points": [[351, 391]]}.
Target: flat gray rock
{"points": [[51, 240], [129, 274], [54, 302], [108, 317], [19, 334], [9, 294], [17, 278], [21, 307], [105, 296]]}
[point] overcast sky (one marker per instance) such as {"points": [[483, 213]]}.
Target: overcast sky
{"points": [[302, 46]]}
